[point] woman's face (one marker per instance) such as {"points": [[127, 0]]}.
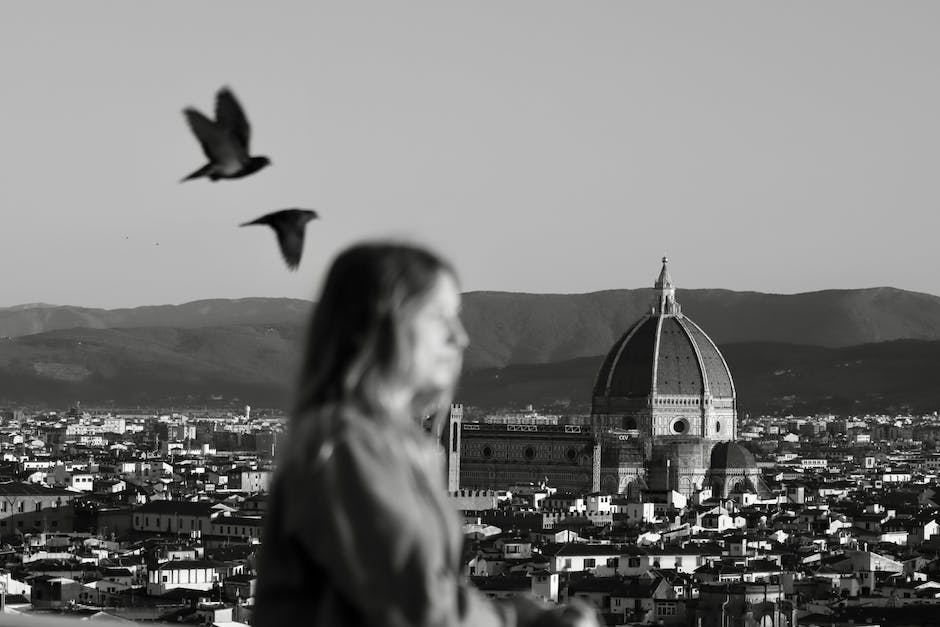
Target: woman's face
{"points": [[439, 337]]}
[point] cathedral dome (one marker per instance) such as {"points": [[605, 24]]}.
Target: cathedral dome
{"points": [[665, 382], [664, 353], [733, 469], [731, 456]]}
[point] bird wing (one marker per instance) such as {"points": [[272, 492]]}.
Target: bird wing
{"points": [[290, 226], [230, 116], [215, 141], [290, 237], [261, 220]]}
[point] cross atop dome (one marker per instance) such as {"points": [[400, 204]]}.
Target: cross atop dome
{"points": [[667, 292]]}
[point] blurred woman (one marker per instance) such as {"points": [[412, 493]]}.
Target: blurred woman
{"points": [[360, 530]]}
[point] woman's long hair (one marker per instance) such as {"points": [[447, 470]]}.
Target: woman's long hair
{"points": [[358, 350]]}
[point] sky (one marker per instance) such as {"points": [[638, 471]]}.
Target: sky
{"points": [[542, 146]]}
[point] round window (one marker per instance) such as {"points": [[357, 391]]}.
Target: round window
{"points": [[487, 451], [529, 452], [679, 426], [717, 426], [571, 454]]}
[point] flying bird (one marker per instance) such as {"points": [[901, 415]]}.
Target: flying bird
{"points": [[289, 225], [225, 141]]}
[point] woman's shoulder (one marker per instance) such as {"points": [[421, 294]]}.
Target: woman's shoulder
{"points": [[343, 425]]}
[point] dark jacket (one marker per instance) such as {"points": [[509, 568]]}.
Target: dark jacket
{"points": [[360, 531]]}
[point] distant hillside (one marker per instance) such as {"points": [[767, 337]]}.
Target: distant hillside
{"points": [[510, 328], [257, 364], [889, 377], [530, 329], [151, 365], [39, 318]]}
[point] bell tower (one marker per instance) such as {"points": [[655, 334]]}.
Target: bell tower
{"points": [[452, 440]]}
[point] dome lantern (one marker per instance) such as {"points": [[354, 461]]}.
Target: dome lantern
{"points": [[667, 293]]}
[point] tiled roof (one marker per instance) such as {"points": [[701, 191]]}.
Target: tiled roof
{"points": [[510, 582], [690, 549], [763, 566], [186, 564], [594, 584], [578, 549], [232, 552], [637, 588], [19, 488], [246, 521], [45, 565], [182, 508], [116, 572], [245, 578], [182, 594]]}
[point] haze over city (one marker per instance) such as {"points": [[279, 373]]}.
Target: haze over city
{"points": [[543, 146]]}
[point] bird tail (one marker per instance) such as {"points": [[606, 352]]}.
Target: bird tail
{"points": [[203, 171]]}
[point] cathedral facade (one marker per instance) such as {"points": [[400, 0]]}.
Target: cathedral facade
{"points": [[662, 399]]}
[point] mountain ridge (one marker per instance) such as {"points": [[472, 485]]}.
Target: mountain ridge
{"points": [[258, 365], [509, 328], [251, 346], [770, 378]]}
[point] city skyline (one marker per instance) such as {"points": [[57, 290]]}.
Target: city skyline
{"points": [[544, 148]]}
